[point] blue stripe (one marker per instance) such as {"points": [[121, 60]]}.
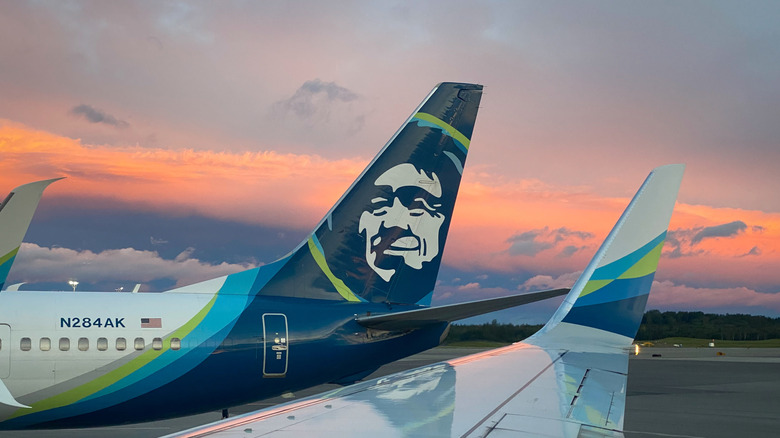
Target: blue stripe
{"points": [[621, 317], [234, 296], [618, 290], [455, 161], [426, 300], [317, 243], [618, 267], [5, 268]]}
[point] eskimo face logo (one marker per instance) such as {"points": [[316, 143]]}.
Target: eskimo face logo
{"points": [[404, 223]]}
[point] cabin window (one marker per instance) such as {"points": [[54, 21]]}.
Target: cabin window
{"points": [[26, 344], [175, 343], [83, 344], [157, 343], [139, 343], [102, 344], [64, 344], [45, 344], [121, 344]]}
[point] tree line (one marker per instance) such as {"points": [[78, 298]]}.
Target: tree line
{"points": [[655, 325], [737, 327]]}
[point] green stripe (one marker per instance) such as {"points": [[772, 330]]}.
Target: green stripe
{"points": [[646, 265], [9, 256], [454, 133], [113, 376], [342, 288], [593, 285]]}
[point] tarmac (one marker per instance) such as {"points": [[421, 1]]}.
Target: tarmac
{"points": [[703, 392], [672, 392]]}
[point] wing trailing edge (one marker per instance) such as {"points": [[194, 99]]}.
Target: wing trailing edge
{"points": [[417, 318]]}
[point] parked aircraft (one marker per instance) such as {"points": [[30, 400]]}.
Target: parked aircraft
{"points": [[567, 380], [351, 297], [16, 212]]}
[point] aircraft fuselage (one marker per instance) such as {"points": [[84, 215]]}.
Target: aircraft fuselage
{"points": [[81, 359]]}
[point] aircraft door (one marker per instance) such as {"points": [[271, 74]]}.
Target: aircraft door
{"points": [[275, 345], [5, 351]]}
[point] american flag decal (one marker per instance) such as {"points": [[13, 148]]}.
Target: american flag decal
{"points": [[151, 322]]}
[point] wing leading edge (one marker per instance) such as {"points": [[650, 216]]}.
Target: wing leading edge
{"points": [[568, 380]]}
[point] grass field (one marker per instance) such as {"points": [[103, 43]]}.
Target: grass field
{"points": [[666, 342], [694, 343], [475, 344]]}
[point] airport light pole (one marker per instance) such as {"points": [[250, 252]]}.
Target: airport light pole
{"points": [[73, 284]]}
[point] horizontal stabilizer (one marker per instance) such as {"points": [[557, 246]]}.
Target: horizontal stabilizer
{"points": [[417, 318]]}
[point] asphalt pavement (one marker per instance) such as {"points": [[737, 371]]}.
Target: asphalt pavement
{"points": [[672, 392]]}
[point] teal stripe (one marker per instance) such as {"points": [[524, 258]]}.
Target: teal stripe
{"points": [[231, 301], [5, 268], [427, 124], [615, 269], [618, 290]]}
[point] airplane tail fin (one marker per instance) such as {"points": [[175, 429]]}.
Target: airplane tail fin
{"points": [[16, 212], [383, 240], [606, 304]]}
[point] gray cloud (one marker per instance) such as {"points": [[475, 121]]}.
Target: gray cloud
{"points": [[526, 244], [94, 115], [724, 230], [569, 250], [564, 233], [532, 242], [314, 99], [754, 251], [679, 243], [320, 113]]}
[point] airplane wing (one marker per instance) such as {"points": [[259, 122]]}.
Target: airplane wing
{"points": [[16, 212], [567, 380], [519, 390], [412, 319]]}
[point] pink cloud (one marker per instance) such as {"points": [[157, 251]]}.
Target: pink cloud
{"points": [[469, 286], [561, 226], [668, 295]]}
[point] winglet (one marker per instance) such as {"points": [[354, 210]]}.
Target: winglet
{"points": [[16, 212], [611, 294]]}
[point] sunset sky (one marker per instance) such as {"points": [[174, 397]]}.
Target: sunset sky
{"points": [[200, 139]]}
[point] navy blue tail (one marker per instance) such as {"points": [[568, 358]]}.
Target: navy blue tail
{"points": [[383, 240]]}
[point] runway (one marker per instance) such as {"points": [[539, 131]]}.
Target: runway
{"points": [[684, 392]]}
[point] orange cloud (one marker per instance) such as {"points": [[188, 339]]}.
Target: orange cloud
{"points": [[280, 189], [490, 218], [561, 226]]}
